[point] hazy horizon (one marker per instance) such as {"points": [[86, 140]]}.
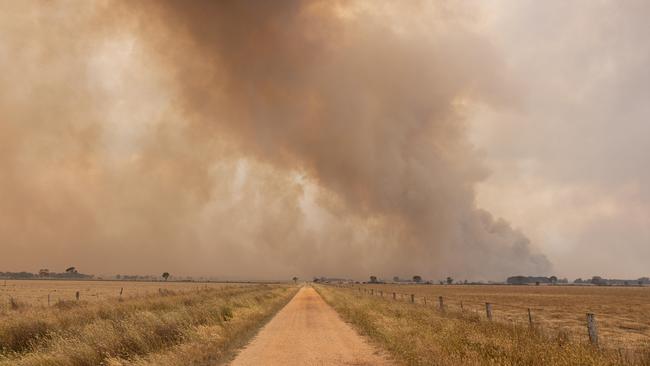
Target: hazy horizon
{"points": [[263, 140], [108, 276]]}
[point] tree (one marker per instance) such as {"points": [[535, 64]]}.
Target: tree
{"points": [[71, 270], [395, 279], [44, 272], [295, 280], [553, 280], [165, 275], [450, 280], [417, 279], [373, 279], [597, 280]]}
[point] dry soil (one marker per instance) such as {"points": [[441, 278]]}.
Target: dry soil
{"points": [[307, 331]]}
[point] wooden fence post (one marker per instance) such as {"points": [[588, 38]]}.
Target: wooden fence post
{"points": [[425, 300], [121, 290], [441, 303], [372, 292], [488, 310], [77, 295], [530, 318], [394, 296], [592, 329], [48, 299], [461, 306], [381, 293], [412, 298]]}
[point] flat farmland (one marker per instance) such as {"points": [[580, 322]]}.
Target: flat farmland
{"points": [[180, 324], [35, 292], [621, 312]]}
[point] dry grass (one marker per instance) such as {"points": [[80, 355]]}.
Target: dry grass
{"points": [[421, 335], [621, 312], [171, 327], [35, 292]]}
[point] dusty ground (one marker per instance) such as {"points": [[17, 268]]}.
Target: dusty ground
{"points": [[309, 332]]}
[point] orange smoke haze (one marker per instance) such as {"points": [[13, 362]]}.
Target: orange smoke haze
{"points": [[248, 139]]}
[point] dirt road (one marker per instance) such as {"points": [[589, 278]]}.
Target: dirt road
{"points": [[308, 332]]}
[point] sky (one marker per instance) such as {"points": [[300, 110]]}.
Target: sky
{"points": [[250, 140], [569, 163]]}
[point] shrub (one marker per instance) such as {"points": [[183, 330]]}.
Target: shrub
{"points": [[226, 313]]}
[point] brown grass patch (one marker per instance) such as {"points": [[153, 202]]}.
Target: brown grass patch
{"points": [[420, 334], [620, 311], [163, 328]]}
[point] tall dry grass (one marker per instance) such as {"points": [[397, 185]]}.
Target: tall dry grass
{"points": [[621, 311], [422, 335], [36, 292], [168, 328]]}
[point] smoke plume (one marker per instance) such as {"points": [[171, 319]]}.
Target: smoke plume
{"points": [[249, 139]]}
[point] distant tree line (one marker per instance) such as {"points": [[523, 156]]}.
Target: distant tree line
{"points": [[513, 280], [70, 273], [124, 277], [599, 281], [595, 280], [331, 280], [527, 280]]}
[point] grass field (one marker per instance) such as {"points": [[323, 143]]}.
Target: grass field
{"points": [[621, 312], [422, 335], [181, 324], [35, 292]]}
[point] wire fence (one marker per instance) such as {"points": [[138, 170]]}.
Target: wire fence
{"points": [[12, 298], [541, 317]]}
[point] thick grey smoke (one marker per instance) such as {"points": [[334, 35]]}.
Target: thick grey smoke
{"points": [[251, 139]]}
